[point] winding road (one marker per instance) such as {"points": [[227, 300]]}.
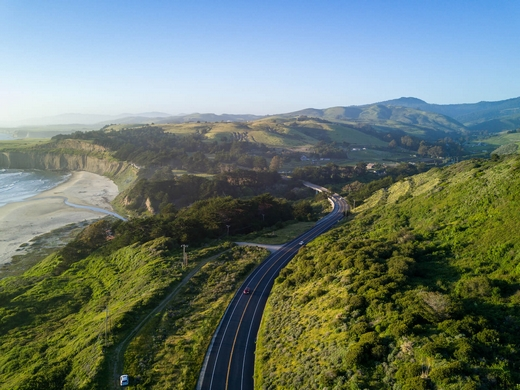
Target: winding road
{"points": [[229, 361]]}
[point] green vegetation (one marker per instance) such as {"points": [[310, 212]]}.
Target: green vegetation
{"points": [[360, 307], [506, 149], [53, 320], [507, 142], [154, 194], [420, 290], [59, 326], [175, 342], [505, 138]]}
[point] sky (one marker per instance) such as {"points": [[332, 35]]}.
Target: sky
{"points": [[251, 57]]}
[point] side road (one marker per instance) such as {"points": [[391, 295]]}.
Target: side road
{"points": [[118, 362]]}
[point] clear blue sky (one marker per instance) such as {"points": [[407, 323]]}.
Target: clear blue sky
{"points": [[258, 57]]}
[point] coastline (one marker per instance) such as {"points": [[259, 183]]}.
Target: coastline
{"points": [[20, 222]]}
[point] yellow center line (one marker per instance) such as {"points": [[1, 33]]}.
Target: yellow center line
{"points": [[249, 300], [242, 317]]}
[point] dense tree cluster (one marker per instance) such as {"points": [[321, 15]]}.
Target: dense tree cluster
{"points": [[329, 174], [161, 190], [204, 220], [442, 148], [328, 150]]}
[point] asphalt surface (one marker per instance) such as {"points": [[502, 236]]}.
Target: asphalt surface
{"points": [[229, 361]]}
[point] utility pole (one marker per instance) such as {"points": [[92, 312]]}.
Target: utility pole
{"points": [[106, 326], [184, 255]]}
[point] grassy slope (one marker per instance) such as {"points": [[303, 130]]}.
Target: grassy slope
{"points": [[51, 321], [52, 324], [503, 139], [420, 290]]}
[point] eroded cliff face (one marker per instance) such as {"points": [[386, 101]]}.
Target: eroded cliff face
{"points": [[50, 161]]}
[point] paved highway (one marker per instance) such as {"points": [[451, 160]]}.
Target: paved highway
{"points": [[229, 361]]}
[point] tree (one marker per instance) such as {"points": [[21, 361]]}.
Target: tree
{"points": [[436, 151], [423, 149], [407, 141], [259, 163], [302, 210], [275, 164]]}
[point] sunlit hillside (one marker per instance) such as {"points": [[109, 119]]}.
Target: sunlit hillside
{"points": [[420, 290], [290, 133]]}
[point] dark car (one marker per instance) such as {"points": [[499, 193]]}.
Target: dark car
{"points": [[247, 291]]}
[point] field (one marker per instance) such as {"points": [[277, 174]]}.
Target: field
{"points": [[21, 143]]}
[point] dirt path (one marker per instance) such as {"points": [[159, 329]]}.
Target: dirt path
{"points": [[119, 352]]}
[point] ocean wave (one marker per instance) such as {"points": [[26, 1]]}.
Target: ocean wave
{"points": [[17, 185]]}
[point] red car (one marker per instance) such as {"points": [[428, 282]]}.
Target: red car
{"points": [[247, 291]]}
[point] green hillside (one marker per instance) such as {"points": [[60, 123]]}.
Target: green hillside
{"points": [[497, 125], [389, 118], [366, 125], [489, 116], [278, 132], [420, 290], [59, 325]]}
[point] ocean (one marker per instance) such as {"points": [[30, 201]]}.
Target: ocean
{"points": [[17, 185], [5, 137]]}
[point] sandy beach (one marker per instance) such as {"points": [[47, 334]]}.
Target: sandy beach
{"points": [[22, 221]]}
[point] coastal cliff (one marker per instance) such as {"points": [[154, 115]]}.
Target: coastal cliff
{"points": [[52, 161], [71, 155]]}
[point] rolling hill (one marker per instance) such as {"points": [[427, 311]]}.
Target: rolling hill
{"points": [[476, 116], [397, 117], [280, 132], [387, 118]]}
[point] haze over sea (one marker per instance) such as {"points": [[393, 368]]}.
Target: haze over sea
{"points": [[17, 185]]}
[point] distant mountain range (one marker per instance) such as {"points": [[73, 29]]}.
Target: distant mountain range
{"points": [[387, 118], [412, 115], [491, 116], [85, 119]]}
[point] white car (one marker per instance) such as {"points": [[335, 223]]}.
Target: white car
{"points": [[123, 380], [301, 242]]}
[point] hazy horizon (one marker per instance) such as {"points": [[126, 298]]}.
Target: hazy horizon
{"points": [[109, 58], [93, 119]]}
